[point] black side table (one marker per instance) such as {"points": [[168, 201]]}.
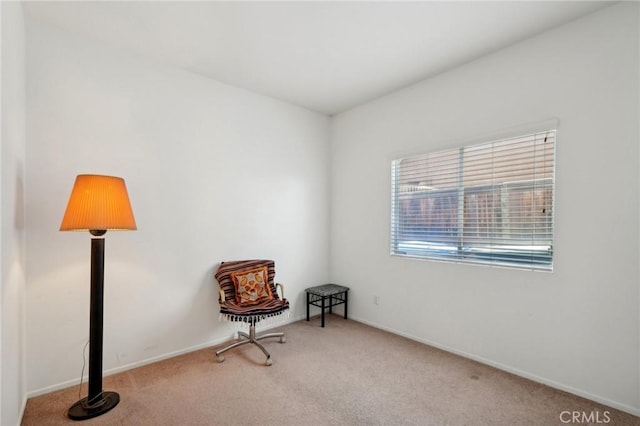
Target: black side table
{"points": [[318, 295]]}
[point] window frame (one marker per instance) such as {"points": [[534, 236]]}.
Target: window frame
{"points": [[537, 257]]}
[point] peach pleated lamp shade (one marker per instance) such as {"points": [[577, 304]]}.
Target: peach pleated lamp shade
{"points": [[98, 203]]}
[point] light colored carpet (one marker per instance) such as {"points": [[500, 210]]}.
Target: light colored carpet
{"points": [[344, 374]]}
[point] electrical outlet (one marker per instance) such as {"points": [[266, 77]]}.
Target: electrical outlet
{"points": [[376, 299]]}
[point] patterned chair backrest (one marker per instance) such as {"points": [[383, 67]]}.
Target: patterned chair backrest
{"points": [[223, 275]]}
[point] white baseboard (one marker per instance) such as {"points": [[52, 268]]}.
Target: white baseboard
{"points": [[136, 364], [552, 383], [622, 407], [24, 406]]}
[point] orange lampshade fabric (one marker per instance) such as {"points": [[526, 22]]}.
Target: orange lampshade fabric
{"points": [[98, 202]]}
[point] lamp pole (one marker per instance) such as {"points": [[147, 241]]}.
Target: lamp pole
{"points": [[97, 402]]}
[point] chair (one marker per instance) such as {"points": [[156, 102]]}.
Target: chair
{"points": [[256, 301]]}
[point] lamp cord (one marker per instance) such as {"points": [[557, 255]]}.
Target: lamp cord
{"points": [[84, 363]]}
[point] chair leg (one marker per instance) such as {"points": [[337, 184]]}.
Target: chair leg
{"points": [[268, 362], [242, 341], [244, 338], [268, 335]]}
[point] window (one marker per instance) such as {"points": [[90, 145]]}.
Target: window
{"points": [[488, 203]]}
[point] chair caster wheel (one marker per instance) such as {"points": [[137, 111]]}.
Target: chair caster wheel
{"points": [[268, 362], [220, 358], [282, 339]]}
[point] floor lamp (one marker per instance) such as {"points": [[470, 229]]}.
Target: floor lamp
{"points": [[97, 204]]}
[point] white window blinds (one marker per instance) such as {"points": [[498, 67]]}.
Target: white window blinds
{"points": [[485, 203]]}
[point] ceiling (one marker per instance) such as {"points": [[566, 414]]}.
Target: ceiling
{"points": [[324, 56]]}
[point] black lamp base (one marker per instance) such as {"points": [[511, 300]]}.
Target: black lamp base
{"points": [[82, 410]]}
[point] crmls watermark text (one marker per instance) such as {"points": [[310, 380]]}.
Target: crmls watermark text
{"points": [[590, 417]]}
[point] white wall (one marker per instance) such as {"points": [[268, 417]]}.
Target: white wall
{"points": [[576, 328], [214, 173], [12, 248]]}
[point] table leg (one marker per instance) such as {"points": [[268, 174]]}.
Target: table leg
{"points": [[330, 304], [322, 322], [307, 306], [346, 299]]}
